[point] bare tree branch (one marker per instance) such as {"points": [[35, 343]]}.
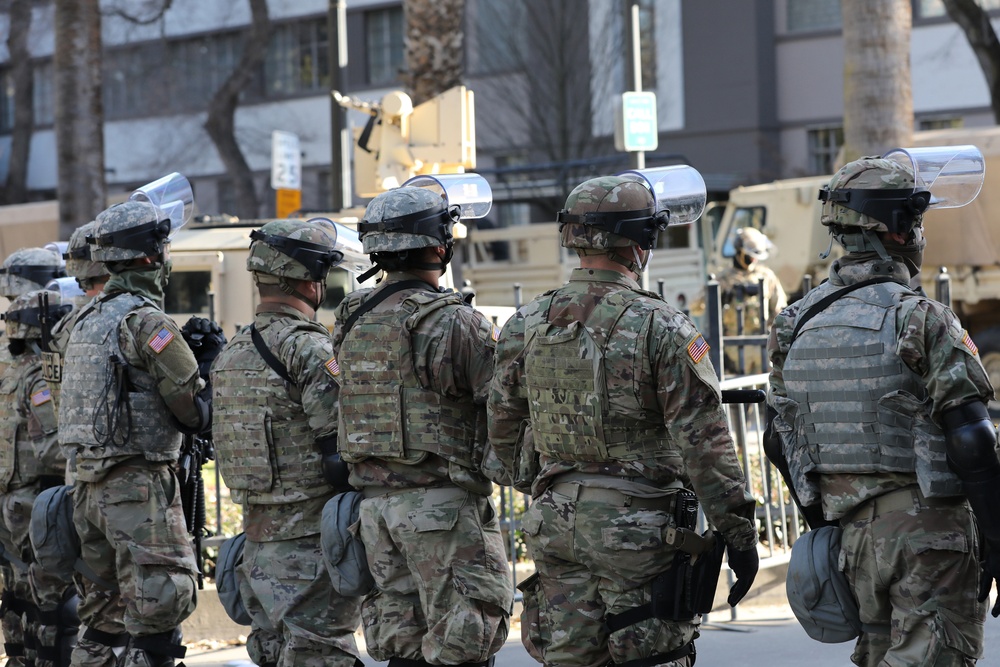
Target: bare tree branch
{"points": [[160, 7], [221, 123], [975, 23]]}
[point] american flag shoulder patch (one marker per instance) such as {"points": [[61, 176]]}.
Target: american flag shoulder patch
{"points": [[967, 342], [332, 367], [161, 340], [495, 334], [697, 349], [41, 397]]}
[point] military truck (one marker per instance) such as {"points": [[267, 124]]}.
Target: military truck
{"points": [[965, 242]]}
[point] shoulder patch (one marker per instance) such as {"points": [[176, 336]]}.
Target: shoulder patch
{"points": [[495, 332], [161, 340], [968, 343], [332, 367], [41, 397], [697, 349]]}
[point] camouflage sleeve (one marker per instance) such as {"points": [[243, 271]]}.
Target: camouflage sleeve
{"points": [[776, 298], [42, 426], [153, 343], [310, 361], [778, 343], [689, 396], [933, 344], [456, 345], [507, 407]]}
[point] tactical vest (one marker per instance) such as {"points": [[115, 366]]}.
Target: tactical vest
{"points": [[858, 408], [266, 451], [384, 411], [565, 373], [19, 464], [104, 401]]}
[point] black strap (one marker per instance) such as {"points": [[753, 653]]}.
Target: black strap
{"points": [[160, 644], [111, 639], [91, 575], [615, 622], [379, 298], [662, 658], [269, 358], [13, 650], [822, 304]]}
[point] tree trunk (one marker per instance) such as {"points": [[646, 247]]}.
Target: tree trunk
{"points": [[878, 98], [16, 190], [975, 23], [221, 121], [433, 42], [79, 113]]}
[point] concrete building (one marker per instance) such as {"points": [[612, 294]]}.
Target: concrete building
{"points": [[747, 91]]}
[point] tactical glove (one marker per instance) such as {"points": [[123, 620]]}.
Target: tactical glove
{"points": [[744, 564], [990, 571], [206, 340]]}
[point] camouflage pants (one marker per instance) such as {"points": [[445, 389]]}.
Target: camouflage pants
{"points": [[443, 588], [916, 571], [298, 619], [18, 627], [132, 533], [594, 559]]}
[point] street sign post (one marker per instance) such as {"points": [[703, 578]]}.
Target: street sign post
{"points": [[286, 172]]}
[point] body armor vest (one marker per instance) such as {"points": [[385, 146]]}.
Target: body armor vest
{"points": [[857, 407], [104, 401], [384, 410], [266, 450], [567, 391]]}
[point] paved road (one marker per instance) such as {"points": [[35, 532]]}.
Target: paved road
{"points": [[760, 636]]}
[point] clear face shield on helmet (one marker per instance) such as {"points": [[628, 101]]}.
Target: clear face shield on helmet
{"points": [[68, 289], [680, 195], [347, 248], [173, 198], [952, 174], [61, 247]]}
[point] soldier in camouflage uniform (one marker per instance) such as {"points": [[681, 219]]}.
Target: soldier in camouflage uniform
{"points": [[130, 382], [415, 368], [739, 285], [605, 402], [877, 415], [30, 462], [23, 271], [275, 430]]}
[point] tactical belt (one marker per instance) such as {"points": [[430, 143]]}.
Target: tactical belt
{"points": [[614, 497], [385, 491], [661, 658], [898, 500]]}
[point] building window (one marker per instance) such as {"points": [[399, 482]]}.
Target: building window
{"points": [[928, 9], [496, 50], [940, 123], [202, 66], [384, 45], [298, 59], [133, 84], [810, 15], [824, 143], [42, 96], [6, 101]]}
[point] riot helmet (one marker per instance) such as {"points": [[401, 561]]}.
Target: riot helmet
{"points": [[29, 269], [32, 315], [79, 263], [405, 219], [129, 230], [294, 250]]}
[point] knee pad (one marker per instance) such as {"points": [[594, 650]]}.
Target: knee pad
{"points": [[161, 648]]}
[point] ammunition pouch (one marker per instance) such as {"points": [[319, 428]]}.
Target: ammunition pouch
{"points": [[687, 588]]}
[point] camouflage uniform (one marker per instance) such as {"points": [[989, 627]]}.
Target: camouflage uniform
{"points": [[266, 435], [121, 420], [739, 286], [25, 270], [31, 462], [414, 375], [859, 396], [605, 402]]}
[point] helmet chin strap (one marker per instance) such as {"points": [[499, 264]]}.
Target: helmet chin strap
{"points": [[285, 287]]}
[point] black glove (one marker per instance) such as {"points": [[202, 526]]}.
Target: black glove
{"points": [[206, 340], [744, 564], [990, 571]]}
